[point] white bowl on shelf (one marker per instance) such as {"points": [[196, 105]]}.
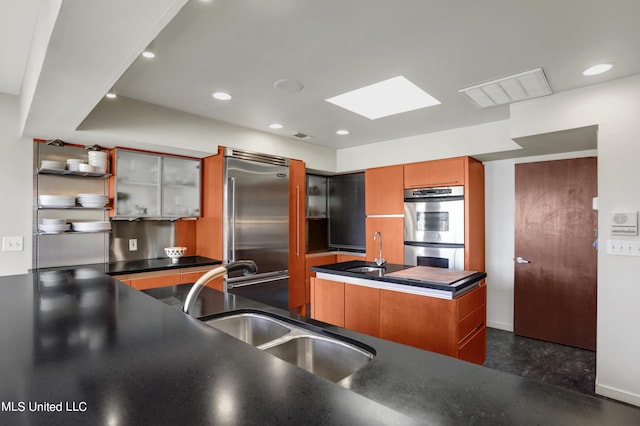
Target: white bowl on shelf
{"points": [[92, 200], [175, 253], [88, 168]]}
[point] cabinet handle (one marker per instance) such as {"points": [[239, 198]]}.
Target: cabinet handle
{"points": [[232, 255], [297, 220]]}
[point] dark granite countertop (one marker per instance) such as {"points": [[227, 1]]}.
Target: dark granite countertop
{"points": [[104, 353], [144, 265], [382, 275]]}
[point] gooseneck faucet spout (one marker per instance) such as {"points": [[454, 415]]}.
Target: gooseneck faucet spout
{"points": [[248, 267], [379, 260]]}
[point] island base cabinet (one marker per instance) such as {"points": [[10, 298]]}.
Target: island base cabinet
{"points": [[327, 301], [362, 309], [451, 327], [420, 321], [475, 348]]}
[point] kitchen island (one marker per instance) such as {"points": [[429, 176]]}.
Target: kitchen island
{"points": [[87, 349], [437, 309]]}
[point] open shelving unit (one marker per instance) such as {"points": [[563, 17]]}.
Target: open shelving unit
{"points": [[70, 247]]}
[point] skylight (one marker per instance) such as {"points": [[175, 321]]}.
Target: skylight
{"points": [[388, 97]]}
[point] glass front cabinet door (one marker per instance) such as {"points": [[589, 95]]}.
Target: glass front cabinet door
{"points": [[137, 184], [156, 186], [180, 187]]}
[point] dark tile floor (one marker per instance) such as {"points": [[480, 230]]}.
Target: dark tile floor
{"points": [[547, 362]]}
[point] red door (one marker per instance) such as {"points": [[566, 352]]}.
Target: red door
{"points": [[555, 292]]}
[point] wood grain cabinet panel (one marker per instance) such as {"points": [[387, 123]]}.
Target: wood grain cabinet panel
{"points": [[315, 260], [450, 327], [421, 321], [392, 229], [383, 190], [445, 172], [328, 301], [155, 282], [297, 242], [362, 309]]}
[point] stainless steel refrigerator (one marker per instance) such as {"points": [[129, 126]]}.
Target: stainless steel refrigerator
{"points": [[256, 225]]}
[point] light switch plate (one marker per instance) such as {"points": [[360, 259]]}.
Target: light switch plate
{"points": [[12, 244], [133, 244], [623, 247]]}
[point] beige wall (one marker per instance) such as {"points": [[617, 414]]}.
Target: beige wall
{"points": [[16, 187]]}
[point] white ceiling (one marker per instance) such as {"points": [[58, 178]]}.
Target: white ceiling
{"points": [[333, 46]]}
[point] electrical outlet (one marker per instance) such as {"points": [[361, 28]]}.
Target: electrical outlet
{"points": [[12, 244], [133, 244]]}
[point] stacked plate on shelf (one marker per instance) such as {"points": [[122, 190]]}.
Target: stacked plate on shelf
{"points": [[73, 164], [57, 201], [95, 201], [98, 159], [91, 226], [53, 165], [54, 226]]}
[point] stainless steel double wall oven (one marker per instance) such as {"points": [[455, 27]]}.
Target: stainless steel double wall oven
{"points": [[434, 227]]}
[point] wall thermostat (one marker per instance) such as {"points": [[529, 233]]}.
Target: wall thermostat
{"points": [[624, 223]]}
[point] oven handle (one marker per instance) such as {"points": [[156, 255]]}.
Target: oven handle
{"points": [[434, 199]]}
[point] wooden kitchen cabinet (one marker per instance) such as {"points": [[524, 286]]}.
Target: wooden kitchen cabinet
{"points": [[327, 301], [155, 281], [456, 328], [315, 260], [209, 230], [420, 321], [362, 309], [297, 243], [445, 172], [383, 187], [451, 327], [392, 229], [165, 278]]}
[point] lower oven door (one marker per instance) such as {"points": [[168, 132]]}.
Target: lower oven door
{"points": [[449, 256]]}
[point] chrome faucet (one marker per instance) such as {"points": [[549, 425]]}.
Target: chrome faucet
{"points": [[247, 267], [379, 260]]}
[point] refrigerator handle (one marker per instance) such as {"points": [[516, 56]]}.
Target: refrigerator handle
{"points": [[297, 220], [232, 254]]}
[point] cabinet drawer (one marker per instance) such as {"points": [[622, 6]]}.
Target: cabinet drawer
{"points": [[470, 301], [155, 282], [475, 349], [472, 322]]}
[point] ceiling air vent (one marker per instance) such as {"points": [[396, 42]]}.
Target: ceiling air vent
{"points": [[518, 87], [302, 136]]}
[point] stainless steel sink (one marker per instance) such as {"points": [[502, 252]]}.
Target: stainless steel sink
{"points": [[318, 352], [251, 328], [365, 269], [323, 357]]}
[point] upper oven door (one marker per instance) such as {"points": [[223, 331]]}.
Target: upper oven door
{"points": [[434, 220]]}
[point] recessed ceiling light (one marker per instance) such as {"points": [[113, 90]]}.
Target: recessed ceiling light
{"points": [[222, 96], [111, 95], [342, 132], [385, 98], [275, 126], [597, 69], [150, 51]]}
